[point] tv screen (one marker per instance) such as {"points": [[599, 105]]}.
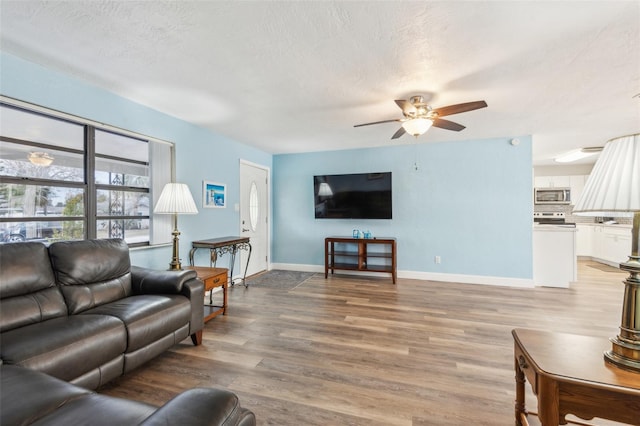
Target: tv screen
{"points": [[353, 196]]}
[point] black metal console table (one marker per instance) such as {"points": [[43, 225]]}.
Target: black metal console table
{"points": [[221, 246]]}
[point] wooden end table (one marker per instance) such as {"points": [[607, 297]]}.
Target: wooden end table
{"points": [[569, 375], [212, 278]]}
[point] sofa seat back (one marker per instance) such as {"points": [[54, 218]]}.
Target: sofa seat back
{"points": [[148, 317], [28, 292], [91, 273]]}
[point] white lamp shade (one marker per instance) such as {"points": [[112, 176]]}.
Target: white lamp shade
{"points": [[613, 187], [176, 198], [417, 126], [325, 190]]}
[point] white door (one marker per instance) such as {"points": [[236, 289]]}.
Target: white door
{"points": [[254, 220]]}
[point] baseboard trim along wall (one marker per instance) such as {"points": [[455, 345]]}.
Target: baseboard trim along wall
{"points": [[416, 275]]}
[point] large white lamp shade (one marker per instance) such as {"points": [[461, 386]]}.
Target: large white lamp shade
{"points": [[613, 189], [175, 199]]}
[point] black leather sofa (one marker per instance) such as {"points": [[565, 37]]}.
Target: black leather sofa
{"points": [[78, 311], [30, 397]]}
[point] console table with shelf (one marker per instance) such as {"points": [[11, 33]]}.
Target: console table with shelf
{"points": [[220, 246], [355, 254]]}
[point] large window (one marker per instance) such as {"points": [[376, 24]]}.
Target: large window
{"points": [[62, 179]]}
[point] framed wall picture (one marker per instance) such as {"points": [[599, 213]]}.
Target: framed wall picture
{"points": [[214, 195]]}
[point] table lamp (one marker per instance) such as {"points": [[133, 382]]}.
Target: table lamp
{"points": [[175, 199], [613, 189]]}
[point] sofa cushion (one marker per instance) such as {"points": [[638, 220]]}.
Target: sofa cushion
{"points": [[91, 272], [31, 397], [65, 347], [27, 286], [28, 395], [147, 317]]}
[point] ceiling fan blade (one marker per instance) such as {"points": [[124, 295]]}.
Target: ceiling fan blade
{"points": [[406, 107], [399, 133], [458, 108], [446, 124], [376, 122]]}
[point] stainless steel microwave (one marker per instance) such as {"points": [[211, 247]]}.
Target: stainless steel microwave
{"points": [[552, 196]]}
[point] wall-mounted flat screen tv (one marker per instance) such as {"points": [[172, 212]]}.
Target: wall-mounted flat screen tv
{"points": [[353, 196]]}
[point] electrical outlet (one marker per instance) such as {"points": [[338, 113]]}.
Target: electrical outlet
{"points": [[437, 259]]}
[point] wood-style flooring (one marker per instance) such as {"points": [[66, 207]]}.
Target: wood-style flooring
{"points": [[362, 351]]}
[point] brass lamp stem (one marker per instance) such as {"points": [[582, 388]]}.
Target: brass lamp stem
{"points": [[175, 261], [625, 351]]}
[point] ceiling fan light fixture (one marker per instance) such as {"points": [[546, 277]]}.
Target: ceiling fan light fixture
{"points": [[417, 126], [40, 158]]}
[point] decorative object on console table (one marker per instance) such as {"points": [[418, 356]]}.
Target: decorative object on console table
{"points": [[175, 199], [214, 195], [213, 278], [361, 258], [220, 246], [613, 189]]}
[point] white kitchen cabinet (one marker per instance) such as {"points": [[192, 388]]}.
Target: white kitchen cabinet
{"points": [[554, 256], [552, 181], [584, 240], [617, 244], [610, 244]]}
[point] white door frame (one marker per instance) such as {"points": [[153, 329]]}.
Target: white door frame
{"points": [[269, 207]]}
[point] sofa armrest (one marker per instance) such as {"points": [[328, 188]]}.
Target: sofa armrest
{"points": [[151, 281], [202, 406], [194, 291], [185, 282]]}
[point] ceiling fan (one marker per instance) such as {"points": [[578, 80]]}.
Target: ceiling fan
{"points": [[419, 116]]}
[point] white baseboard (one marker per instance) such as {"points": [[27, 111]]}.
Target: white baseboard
{"points": [[604, 261], [417, 275]]}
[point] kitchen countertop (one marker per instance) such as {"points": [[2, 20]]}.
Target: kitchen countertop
{"points": [[553, 228], [607, 225]]}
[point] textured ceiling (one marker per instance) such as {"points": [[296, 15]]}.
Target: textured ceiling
{"points": [[296, 76]]}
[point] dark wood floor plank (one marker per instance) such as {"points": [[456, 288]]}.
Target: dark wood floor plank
{"points": [[362, 351]]}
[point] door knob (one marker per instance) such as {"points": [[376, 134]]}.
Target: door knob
{"points": [[245, 230]]}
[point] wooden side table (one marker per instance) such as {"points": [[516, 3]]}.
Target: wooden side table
{"points": [[569, 375], [212, 278]]}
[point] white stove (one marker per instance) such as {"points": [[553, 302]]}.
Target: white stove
{"points": [[551, 218]]}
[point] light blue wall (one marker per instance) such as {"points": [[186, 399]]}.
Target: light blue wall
{"points": [[200, 153], [469, 203]]}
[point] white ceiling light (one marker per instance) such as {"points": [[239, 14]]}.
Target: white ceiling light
{"points": [[40, 158], [417, 126], [578, 154]]}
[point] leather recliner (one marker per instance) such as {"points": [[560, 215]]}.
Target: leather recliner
{"points": [[30, 397]]}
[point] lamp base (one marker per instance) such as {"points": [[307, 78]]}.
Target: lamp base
{"points": [[624, 355], [625, 350], [625, 347], [175, 264]]}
